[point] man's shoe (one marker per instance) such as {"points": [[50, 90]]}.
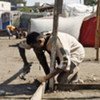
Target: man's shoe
{"points": [[25, 70]]}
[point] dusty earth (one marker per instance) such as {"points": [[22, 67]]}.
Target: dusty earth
{"points": [[15, 88]]}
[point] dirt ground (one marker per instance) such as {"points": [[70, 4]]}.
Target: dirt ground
{"points": [[15, 88]]}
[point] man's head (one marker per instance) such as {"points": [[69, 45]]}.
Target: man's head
{"points": [[35, 40]]}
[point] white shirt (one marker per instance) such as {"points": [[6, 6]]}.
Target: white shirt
{"points": [[74, 50]]}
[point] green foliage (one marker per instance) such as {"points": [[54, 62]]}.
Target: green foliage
{"points": [[90, 2], [25, 9]]}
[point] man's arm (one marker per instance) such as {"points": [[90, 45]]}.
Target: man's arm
{"points": [[27, 65], [22, 54], [21, 47], [42, 59]]}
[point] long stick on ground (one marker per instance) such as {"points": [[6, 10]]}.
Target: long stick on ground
{"points": [[79, 86]]}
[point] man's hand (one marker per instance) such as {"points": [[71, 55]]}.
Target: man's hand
{"points": [[41, 79]]}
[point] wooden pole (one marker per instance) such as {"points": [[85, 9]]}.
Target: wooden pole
{"points": [[39, 93], [79, 86], [57, 11], [97, 37]]}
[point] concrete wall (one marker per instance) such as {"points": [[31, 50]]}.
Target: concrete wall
{"points": [[5, 6]]}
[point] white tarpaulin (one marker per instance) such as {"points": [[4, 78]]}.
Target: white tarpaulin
{"points": [[70, 25], [79, 9]]}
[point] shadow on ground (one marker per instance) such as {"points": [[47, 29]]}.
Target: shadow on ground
{"points": [[16, 89]]}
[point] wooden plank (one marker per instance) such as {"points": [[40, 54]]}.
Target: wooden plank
{"points": [[39, 92], [66, 87]]}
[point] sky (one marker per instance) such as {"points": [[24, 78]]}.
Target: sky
{"points": [[31, 2]]}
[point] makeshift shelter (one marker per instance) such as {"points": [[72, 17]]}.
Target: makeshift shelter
{"points": [[25, 19]]}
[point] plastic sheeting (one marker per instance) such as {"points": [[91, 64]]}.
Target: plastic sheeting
{"points": [[87, 32], [70, 25], [79, 9]]}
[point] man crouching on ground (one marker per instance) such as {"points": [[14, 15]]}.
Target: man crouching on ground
{"points": [[69, 54]]}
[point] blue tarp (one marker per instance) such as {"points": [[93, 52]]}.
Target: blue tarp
{"points": [[4, 20]]}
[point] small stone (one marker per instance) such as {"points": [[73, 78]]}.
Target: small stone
{"points": [[81, 81], [94, 79], [55, 91]]}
